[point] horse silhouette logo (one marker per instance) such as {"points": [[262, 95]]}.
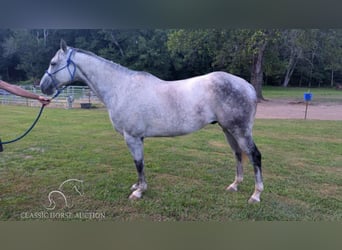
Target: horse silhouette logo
{"points": [[59, 194]]}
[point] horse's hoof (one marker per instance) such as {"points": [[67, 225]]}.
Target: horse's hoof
{"points": [[253, 200], [231, 188], [132, 197], [136, 195]]}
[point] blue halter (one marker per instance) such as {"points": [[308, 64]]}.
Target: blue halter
{"points": [[71, 72]]}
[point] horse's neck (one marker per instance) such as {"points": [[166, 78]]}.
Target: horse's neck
{"points": [[102, 76]]}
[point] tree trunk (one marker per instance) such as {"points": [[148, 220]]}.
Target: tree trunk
{"points": [[289, 71], [45, 33], [257, 71], [117, 44], [310, 78], [287, 79], [332, 78]]}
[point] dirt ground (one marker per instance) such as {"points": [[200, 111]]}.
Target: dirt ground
{"points": [[287, 109]]}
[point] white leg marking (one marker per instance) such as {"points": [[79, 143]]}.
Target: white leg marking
{"points": [[138, 190], [255, 198], [137, 194], [234, 186]]}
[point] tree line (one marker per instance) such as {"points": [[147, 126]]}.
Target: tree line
{"points": [[280, 57]]}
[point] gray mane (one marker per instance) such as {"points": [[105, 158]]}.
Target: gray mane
{"points": [[114, 65]]}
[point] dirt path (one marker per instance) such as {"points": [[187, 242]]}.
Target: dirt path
{"points": [[287, 109]]}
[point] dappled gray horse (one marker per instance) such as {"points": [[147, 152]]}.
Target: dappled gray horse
{"points": [[141, 105]]}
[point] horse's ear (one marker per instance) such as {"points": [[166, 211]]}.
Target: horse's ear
{"points": [[63, 45]]}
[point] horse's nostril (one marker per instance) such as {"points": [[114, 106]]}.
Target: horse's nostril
{"points": [[46, 90]]}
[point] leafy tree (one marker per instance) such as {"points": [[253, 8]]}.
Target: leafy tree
{"points": [[191, 51], [138, 49], [258, 41], [8, 63], [30, 47], [293, 50], [263, 56], [231, 53], [332, 53]]}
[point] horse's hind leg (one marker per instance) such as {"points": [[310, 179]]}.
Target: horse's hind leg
{"points": [[255, 157], [136, 147], [241, 143], [239, 166], [248, 146]]}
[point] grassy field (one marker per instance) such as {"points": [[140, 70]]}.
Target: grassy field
{"points": [[296, 94], [187, 176]]}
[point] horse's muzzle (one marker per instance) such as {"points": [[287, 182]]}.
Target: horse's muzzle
{"points": [[46, 85]]}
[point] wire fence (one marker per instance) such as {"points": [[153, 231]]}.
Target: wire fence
{"points": [[70, 97]]}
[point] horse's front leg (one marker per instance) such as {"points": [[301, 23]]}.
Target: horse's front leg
{"points": [[136, 147]]}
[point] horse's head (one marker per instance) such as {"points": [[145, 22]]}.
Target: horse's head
{"points": [[60, 72]]}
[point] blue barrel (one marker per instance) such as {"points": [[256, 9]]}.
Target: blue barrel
{"points": [[307, 96]]}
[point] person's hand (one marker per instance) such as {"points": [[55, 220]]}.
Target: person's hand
{"points": [[43, 100]]}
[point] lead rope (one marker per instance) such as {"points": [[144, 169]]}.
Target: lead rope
{"points": [[33, 124]]}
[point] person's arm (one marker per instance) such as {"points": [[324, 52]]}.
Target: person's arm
{"points": [[16, 90]]}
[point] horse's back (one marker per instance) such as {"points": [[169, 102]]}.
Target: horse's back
{"points": [[216, 89], [231, 85], [222, 83]]}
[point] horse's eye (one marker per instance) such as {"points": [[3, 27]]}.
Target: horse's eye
{"points": [[53, 63]]}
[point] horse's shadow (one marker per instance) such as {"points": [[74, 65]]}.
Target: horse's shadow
{"points": [[61, 195]]}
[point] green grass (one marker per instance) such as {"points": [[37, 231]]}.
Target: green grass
{"points": [[187, 176], [296, 94]]}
